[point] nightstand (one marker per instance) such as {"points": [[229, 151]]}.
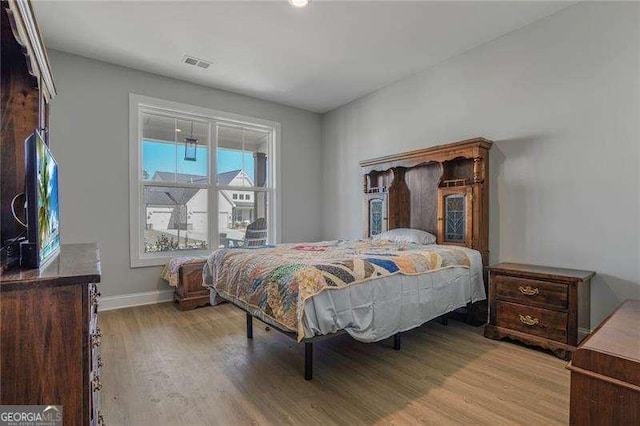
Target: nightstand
{"points": [[539, 305]]}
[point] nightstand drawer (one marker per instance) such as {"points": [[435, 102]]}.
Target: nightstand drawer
{"points": [[536, 321], [531, 292]]}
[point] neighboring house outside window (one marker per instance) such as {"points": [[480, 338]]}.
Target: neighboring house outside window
{"points": [[173, 196]]}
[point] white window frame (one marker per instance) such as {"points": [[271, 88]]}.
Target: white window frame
{"points": [[139, 104]]}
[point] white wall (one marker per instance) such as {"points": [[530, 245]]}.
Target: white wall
{"points": [[90, 139], [561, 100]]}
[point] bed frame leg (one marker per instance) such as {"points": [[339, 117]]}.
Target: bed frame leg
{"points": [[249, 326], [469, 317], [308, 360], [396, 341]]}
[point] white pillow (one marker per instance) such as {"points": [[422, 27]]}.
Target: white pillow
{"points": [[407, 235]]}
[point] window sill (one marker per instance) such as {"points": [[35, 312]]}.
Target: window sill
{"points": [[163, 259]]}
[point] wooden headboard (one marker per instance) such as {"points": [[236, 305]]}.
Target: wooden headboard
{"points": [[443, 190]]}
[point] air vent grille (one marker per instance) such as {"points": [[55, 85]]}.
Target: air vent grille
{"points": [[193, 61]]}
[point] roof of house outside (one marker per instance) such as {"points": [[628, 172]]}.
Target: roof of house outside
{"points": [[163, 196], [158, 196], [227, 177], [223, 178], [180, 177]]}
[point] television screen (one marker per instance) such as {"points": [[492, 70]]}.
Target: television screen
{"points": [[42, 200]]}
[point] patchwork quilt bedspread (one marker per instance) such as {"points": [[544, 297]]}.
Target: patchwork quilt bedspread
{"points": [[277, 281]]}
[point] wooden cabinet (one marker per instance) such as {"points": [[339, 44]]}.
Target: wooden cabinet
{"points": [[605, 371], [443, 190], [537, 305], [50, 336]]}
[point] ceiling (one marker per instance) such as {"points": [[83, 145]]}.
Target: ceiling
{"points": [[316, 58]]}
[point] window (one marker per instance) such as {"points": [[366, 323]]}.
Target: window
{"points": [[188, 163], [244, 163]]}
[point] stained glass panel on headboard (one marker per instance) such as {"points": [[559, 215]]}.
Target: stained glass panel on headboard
{"points": [[454, 216], [375, 216]]}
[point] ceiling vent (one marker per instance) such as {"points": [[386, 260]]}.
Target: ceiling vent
{"points": [[190, 60]]}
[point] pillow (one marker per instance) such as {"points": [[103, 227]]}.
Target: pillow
{"points": [[407, 235]]}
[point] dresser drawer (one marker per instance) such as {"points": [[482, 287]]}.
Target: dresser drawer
{"points": [[536, 321], [531, 292]]}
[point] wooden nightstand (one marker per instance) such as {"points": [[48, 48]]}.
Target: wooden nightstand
{"points": [[538, 305]]}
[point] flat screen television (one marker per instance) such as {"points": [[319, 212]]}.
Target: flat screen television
{"points": [[43, 214]]}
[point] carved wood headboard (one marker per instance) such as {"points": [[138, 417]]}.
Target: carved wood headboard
{"points": [[442, 189]]}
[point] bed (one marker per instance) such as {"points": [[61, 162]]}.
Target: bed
{"points": [[370, 289], [374, 288]]}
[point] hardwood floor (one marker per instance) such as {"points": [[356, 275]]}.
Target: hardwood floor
{"points": [[167, 367]]}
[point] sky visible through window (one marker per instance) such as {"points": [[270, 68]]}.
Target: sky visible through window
{"points": [[160, 156]]}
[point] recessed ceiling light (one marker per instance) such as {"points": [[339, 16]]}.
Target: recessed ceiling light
{"points": [[299, 3], [178, 130]]}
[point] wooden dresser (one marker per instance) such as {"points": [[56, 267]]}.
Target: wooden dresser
{"points": [[539, 305], [605, 371], [50, 336]]}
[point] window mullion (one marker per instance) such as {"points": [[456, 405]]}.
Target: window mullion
{"points": [[244, 188], [213, 177], [163, 184], [175, 147]]}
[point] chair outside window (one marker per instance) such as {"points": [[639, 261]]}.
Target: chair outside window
{"points": [[255, 236]]}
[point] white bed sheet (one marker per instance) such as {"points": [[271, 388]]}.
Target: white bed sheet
{"points": [[377, 309]]}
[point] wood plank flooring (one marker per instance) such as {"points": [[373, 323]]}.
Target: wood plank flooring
{"points": [[166, 367]]}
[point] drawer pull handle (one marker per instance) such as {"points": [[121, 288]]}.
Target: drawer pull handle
{"points": [[527, 320], [529, 291], [95, 296], [96, 385], [96, 340]]}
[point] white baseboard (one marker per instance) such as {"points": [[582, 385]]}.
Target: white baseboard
{"points": [[108, 303], [583, 333]]}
